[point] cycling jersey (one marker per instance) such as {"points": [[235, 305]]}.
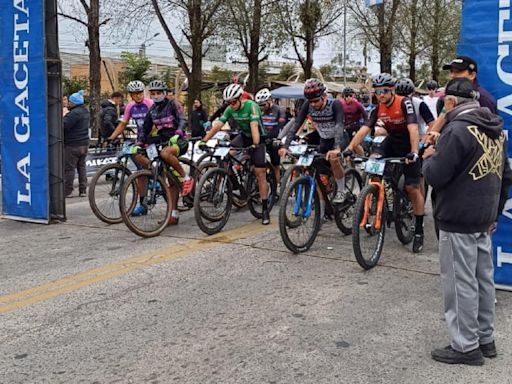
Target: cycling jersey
{"points": [[431, 104], [396, 118], [249, 111], [274, 119], [137, 112], [423, 114], [328, 121], [166, 120], [354, 114]]}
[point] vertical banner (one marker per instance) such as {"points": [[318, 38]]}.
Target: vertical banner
{"points": [[486, 36], [23, 111]]}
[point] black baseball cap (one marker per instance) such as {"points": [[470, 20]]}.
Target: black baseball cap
{"points": [[461, 87], [461, 63]]}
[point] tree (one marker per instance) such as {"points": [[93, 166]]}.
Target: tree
{"points": [[92, 22], [327, 71], [135, 68], [286, 71], [441, 26], [307, 21], [378, 24], [74, 84], [199, 26], [218, 75]]}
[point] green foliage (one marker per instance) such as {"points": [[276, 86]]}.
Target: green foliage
{"points": [[74, 84], [218, 74], [169, 78], [286, 71], [135, 68], [263, 76], [327, 72]]}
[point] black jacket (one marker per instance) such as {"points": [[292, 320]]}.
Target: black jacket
{"points": [[108, 118], [469, 171], [76, 126], [199, 117]]}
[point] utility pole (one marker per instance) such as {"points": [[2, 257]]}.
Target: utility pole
{"points": [[345, 43], [142, 49]]}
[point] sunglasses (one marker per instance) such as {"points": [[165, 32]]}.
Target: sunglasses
{"points": [[383, 91]]}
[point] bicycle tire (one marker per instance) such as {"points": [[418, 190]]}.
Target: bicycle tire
{"points": [[288, 175], [344, 213], [287, 223], [109, 211], [404, 219], [363, 235], [187, 202], [208, 191], [254, 200], [160, 218]]}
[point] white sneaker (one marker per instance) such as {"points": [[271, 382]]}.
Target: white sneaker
{"points": [[339, 197]]}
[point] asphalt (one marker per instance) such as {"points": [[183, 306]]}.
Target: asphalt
{"points": [[83, 302]]}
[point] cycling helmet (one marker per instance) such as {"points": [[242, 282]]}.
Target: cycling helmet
{"points": [[404, 87], [313, 88], [157, 85], [263, 95], [383, 80], [135, 86], [232, 92], [432, 85], [348, 91], [365, 99]]}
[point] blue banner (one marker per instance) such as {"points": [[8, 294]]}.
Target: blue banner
{"points": [[486, 36], [23, 111], [370, 3]]}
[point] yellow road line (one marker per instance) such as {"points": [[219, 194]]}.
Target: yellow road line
{"points": [[74, 282]]}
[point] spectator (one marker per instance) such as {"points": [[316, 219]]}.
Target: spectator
{"points": [[431, 99], [65, 105], [289, 115], [117, 99], [199, 118], [470, 173], [109, 118], [76, 143]]}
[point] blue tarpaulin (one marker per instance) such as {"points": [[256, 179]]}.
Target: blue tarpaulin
{"points": [[291, 92]]}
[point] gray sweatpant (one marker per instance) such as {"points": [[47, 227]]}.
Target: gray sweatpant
{"points": [[468, 288]]}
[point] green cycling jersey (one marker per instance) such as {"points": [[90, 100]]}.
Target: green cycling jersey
{"points": [[249, 111]]}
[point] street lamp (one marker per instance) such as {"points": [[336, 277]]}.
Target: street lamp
{"points": [[142, 49]]}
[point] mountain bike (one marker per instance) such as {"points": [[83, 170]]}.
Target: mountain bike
{"points": [[299, 211], [215, 192]]}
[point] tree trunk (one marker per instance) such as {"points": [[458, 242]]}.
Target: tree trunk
{"points": [[309, 26], [196, 75], [414, 35], [385, 43], [434, 57], [254, 51], [93, 28]]}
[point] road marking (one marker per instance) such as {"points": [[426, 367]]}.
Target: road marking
{"points": [[37, 294]]}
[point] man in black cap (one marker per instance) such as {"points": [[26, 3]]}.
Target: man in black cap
{"points": [[470, 172], [462, 67]]}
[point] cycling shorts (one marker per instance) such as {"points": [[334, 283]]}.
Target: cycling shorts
{"points": [[412, 171], [257, 154]]}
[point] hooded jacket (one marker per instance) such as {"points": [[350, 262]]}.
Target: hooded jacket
{"points": [[469, 171], [76, 126], [108, 118]]}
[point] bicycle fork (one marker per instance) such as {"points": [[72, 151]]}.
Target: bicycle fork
{"points": [[380, 206], [298, 199]]}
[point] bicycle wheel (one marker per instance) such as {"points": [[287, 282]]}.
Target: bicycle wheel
{"points": [[254, 200], [186, 203], [155, 198], [367, 240], [104, 194], [344, 213], [404, 218], [213, 200], [297, 226]]}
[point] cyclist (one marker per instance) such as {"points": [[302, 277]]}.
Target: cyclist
{"points": [[432, 99], [327, 116], [354, 115], [136, 109], [405, 87], [367, 103], [248, 115], [163, 124], [274, 119], [399, 123]]}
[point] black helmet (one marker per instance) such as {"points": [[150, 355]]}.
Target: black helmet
{"points": [[432, 85], [348, 91], [365, 98], [383, 80], [404, 87], [313, 88]]}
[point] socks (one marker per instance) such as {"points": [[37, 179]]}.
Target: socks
{"points": [[175, 213], [418, 228], [264, 203], [341, 184], [322, 208]]}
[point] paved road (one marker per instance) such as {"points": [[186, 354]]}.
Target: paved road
{"points": [[82, 302]]}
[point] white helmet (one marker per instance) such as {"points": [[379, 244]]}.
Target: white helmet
{"points": [[135, 86], [263, 95], [232, 92]]}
